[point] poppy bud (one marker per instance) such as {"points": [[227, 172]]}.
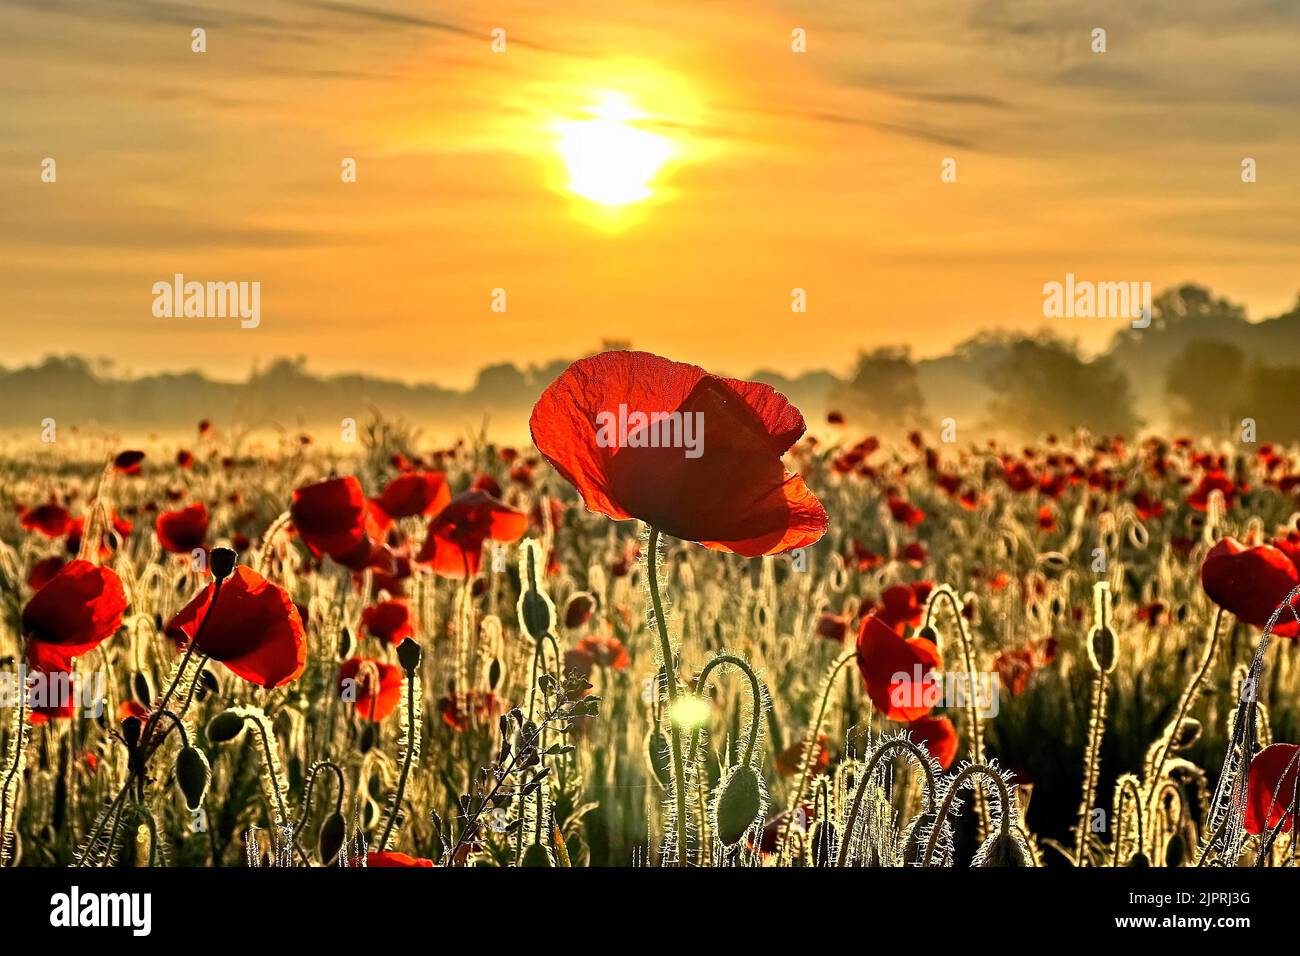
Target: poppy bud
{"points": [[142, 688], [347, 644], [192, 775], [221, 562], [825, 843], [224, 727], [330, 839], [739, 804], [495, 673], [536, 613], [367, 740], [1139, 860], [408, 655], [131, 729], [1103, 649], [1189, 731], [930, 634], [537, 855], [1002, 849], [1175, 850]]}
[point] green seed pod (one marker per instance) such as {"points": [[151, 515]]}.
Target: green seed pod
{"points": [[1002, 850], [225, 727], [825, 843], [661, 761], [1103, 649], [192, 775], [330, 839], [537, 613], [739, 804], [537, 855]]}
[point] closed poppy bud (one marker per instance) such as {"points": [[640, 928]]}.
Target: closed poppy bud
{"points": [[1189, 731], [1103, 649], [408, 655], [347, 644], [222, 562], [537, 855], [192, 775], [142, 688], [1002, 849], [739, 805], [536, 613], [225, 727], [825, 843], [330, 839], [1139, 860]]}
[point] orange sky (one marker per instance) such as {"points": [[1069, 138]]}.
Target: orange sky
{"points": [[817, 170]]}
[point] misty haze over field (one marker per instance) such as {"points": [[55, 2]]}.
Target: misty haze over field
{"points": [[1199, 367]]}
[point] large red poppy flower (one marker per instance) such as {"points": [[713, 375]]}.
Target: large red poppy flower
{"points": [[388, 621], [184, 530], [1271, 788], [392, 858], [454, 545], [734, 495], [372, 703], [81, 606], [52, 695], [1251, 583], [254, 629], [938, 736], [896, 671], [416, 493], [51, 520], [330, 516]]}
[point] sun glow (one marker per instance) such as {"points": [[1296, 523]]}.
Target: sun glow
{"points": [[611, 160]]}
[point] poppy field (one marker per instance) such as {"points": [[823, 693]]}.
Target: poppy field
{"points": [[680, 627]]}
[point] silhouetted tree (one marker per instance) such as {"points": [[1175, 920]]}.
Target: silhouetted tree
{"points": [[1044, 385], [882, 392], [1205, 384]]}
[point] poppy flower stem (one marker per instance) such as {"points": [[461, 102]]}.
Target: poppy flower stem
{"points": [[670, 680], [809, 755], [946, 593], [1184, 705], [411, 748], [307, 792], [922, 759], [756, 689], [973, 770]]}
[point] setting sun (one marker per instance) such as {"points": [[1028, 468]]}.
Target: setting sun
{"points": [[610, 160]]}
